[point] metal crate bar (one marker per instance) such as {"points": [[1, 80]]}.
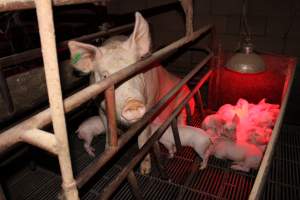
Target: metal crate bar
{"points": [[44, 117], [47, 37], [114, 184], [266, 161], [36, 53], [41, 139], [187, 6], [9, 5]]}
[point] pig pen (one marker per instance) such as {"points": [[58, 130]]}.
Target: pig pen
{"points": [[177, 178]]}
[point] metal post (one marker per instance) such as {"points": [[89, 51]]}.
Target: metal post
{"points": [[47, 36], [188, 10], [199, 102], [112, 135], [188, 114], [176, 134], [157, 159], [134, 185]]}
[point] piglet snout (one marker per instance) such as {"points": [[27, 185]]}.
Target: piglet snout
{"points": [[133, 110]]}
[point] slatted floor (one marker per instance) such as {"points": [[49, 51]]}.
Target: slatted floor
{"points": [[217, 181]]}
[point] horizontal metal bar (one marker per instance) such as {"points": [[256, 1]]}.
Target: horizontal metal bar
{"points": [[266, 161], [41, 139], [90, 170], [37, 53], [112, 186], [34, 137], [10, 5], [43, 118]]}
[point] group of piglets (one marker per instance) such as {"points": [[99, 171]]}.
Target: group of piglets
{"points": [[236, 132], [241, 132]]}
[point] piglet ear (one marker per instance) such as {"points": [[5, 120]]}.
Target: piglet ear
{"points": [[83, 55], [140, 39], [263, 101], [236, 119]]}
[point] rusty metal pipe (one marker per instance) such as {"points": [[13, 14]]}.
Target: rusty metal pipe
{"points": [[111, 116], [176, 134], [10, 5], [43, 118], [36, 53], [47, 37], [134, 185], [112, 186], [90, 170]]}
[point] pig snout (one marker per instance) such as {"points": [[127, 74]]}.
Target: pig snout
{"points": [[133, 110]]}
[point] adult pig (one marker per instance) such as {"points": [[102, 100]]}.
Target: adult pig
{"points": [[138, 94]]}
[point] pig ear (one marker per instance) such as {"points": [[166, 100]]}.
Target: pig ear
{"points": [[140, 38], [83, 55], [236, 119]]}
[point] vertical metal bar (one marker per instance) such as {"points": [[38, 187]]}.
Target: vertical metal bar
{"points": [[134, 185], [188, 10], [2, 196], [111, 116], [5, 93], [47, 37], [157, 159], [188, 113], [176, 134], [199, 102], [192, 173]]}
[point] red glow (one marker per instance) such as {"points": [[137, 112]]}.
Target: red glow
{"points": [[252, 87]]}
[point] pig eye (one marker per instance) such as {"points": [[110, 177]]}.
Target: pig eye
{"points": [[105, 75]]}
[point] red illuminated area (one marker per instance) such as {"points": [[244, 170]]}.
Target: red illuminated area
{"points": [[228, 86], [252, 87]]}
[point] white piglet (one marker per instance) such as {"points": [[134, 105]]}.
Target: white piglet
{"points": [[194, 137], [245, 156], [87, 130]]}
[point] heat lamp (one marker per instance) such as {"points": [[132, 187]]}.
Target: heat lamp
{"points": [[245, 60]]}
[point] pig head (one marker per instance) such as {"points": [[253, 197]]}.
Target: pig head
{"points": [[138, 94]]}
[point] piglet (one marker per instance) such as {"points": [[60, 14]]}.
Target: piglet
{"points": [[217, 126], [194, 137], [245, 156], [89, 128]]}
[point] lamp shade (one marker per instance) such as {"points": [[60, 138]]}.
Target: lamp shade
{"points": [[246, 61]]}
